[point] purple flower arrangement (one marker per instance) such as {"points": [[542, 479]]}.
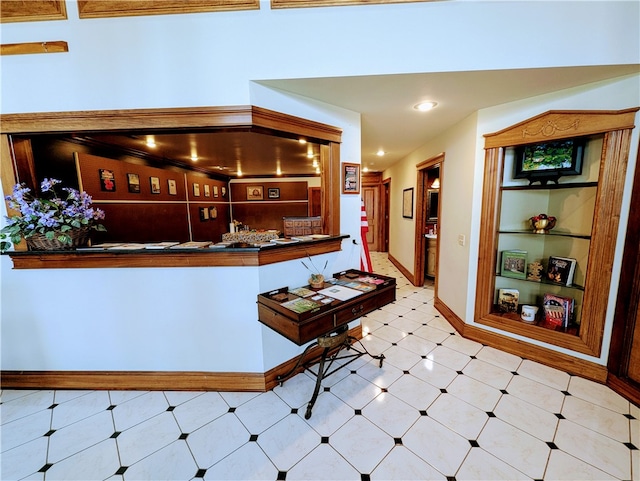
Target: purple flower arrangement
{"points": [[50, 215]]}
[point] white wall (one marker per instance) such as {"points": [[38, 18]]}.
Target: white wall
{"points": [[82, 319]]}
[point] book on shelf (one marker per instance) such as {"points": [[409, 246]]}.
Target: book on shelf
{"points": [[191, 245], [561, 270], [514, 264], [302, 291], [508, 300], [300, 305], [558, 310]]}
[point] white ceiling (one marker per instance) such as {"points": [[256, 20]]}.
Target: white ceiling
{"points": [[386, 102]]}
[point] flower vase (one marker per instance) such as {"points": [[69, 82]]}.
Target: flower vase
{"points": [[40, 242], [316, 281]]}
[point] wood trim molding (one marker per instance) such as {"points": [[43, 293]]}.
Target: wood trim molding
{"points": [[130, 8], [277, 4], [198, 258], [32, 10], [545, 356], [57, 46], [562, 124], [403, 269], [157, 380]]}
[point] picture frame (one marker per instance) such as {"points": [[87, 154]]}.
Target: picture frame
{"points": [[215, 191], [196, 189], [255, 192], [514, 264], [155, 185], [107, 180], [173, 187], [548, 161], [273, 193], [350, 178], [407, 203], [133, 182], [207, 190]]}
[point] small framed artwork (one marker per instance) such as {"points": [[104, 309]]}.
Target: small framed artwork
{"points": [[155, 185], [223, 190], [215, 191], [173, 189], [196, 190], [549, 161], [350, 178], [213, 212], [274, 193], [254, 192], [407, 203], [107, 180], [207, 190], [133, 181], [204, 214]]}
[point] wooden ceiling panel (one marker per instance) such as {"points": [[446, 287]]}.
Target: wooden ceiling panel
{"points": [[32, 10], [130, 8]]}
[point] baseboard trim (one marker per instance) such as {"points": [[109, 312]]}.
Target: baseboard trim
{"points": [[402, 269], [156, 380], [570, 364]]}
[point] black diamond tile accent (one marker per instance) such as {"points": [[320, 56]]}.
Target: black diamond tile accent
{"points": [[49, 433], [459, 372], [324, 439], [171, 408], [44, 468], [282, 475], [629, 416], [294, 410], [504, 391], [398, 441], [253, 437], [473, 357], [566, 393], [438, 344], [474, 443], [327, 389], [115, 434], [52, 406], [111, 408], [394, 343], [183, 436], [399, 315], [491, 414], [559, 416], [365, 477], [410, 334], [443, 391], [384, 389], [121, 470], [406, 372], [423, 357], [552, 445], [231, 410], [358, 412], [631, 446], [423, 413], [386, 324], [515, 373], [451, 478], [200, 473], [354, 372]]}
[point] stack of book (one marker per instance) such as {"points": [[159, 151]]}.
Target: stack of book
{"points": [[558, 311]]}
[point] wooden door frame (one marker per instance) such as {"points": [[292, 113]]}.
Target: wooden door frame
{"points": [[421, 216], [384, 207]]}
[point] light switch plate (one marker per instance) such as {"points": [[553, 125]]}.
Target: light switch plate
{"points": [[461, 239]]}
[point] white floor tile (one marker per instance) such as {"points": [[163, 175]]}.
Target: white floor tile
{"points": [[288, 441], [537, 394], [296, 391], [596, 418], [527, 417], [18, 406], [174, 462], [460, 344], [564, 467], [488, 373], [391, 414], [323, 464], [262, 412], [604, 453], [402, 464], [98, 462], [80, 407], [24, 460], [598, 394], [437, 445], [524, 452], [372, 446], [355, 391], [25, 429], [435, 374], [147, 437], [401, 358], [76, 437], [459, 416], [199, 411], [249, 463], [414, 392], [544, 374], [217, 439], [383, 376], [480, 465], [448, 357], [139, 409], [329, 414], [475, 392], [498, 358]]}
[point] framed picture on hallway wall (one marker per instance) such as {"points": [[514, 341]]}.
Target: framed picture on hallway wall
{"points": [[407, 203], [350, 178]]}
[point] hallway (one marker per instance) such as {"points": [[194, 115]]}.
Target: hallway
{"points": [[441, 408]]}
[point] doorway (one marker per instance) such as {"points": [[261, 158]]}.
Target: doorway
{"points": [[427, 241]]}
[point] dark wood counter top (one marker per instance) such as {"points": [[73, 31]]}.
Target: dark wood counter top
{"points": [[203, 257]]}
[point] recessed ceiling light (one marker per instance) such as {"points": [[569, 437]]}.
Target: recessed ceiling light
{"points": [[424, 106], [380, 153]]}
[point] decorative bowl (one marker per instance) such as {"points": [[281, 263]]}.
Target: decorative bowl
{"points": [[542, 223]]}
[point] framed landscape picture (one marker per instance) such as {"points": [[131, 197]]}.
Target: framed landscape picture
{"points": [[254, 192], [350, 178], [274, 193]]}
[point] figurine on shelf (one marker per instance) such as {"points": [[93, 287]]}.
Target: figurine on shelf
{"points": [[542, 223], [534, 272]]}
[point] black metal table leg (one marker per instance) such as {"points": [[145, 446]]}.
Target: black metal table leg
{"points": [[320, 375]]}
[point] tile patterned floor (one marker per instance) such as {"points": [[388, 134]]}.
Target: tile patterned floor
{"points": [[441, 408]]}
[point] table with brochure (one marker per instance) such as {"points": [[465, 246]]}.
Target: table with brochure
{"points": [[302, 314]]}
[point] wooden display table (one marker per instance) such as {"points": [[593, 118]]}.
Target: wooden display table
{"points": [[303, 314]]}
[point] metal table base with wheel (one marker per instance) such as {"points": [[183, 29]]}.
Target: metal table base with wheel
{"points": [[334, 346]]}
